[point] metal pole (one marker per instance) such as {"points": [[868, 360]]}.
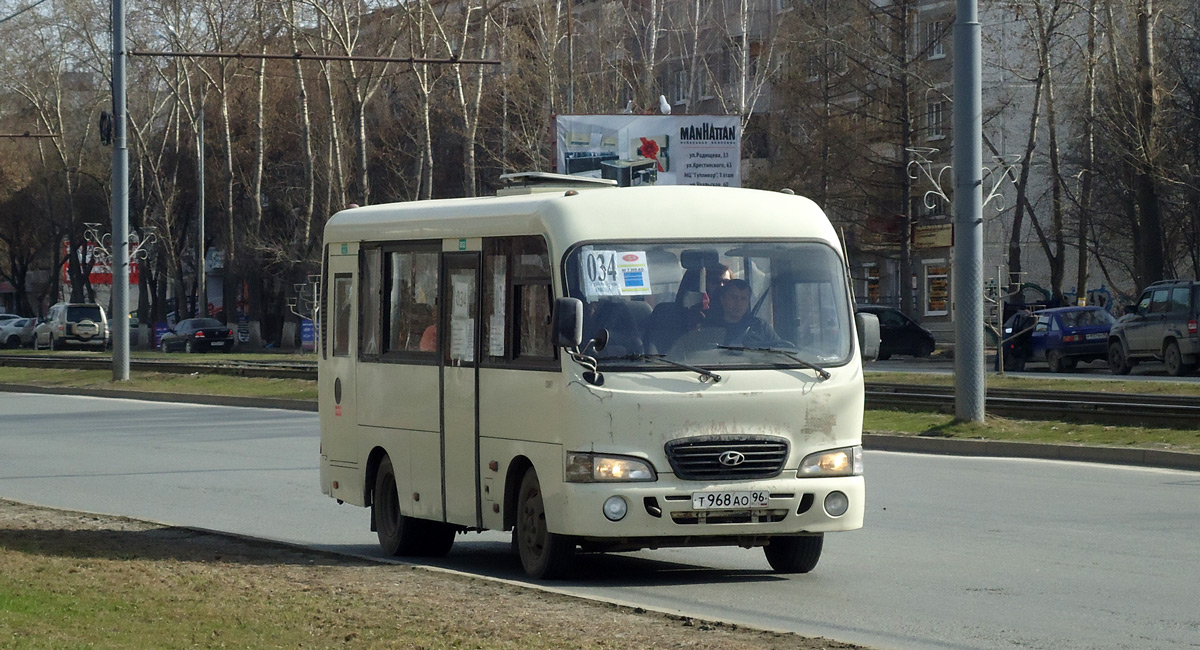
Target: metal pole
{"points": [[970, 391], [201, 267], [120, 201]]}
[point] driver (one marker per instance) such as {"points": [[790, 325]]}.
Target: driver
{"points": [[741, 327]]}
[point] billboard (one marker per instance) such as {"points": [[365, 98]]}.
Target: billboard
{"points": [[651, 149]]}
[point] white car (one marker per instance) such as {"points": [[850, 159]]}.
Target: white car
{"points": [[17, 332]]}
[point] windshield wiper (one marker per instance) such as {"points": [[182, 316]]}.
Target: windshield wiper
{"points": [[704, 374], [807, 364]]}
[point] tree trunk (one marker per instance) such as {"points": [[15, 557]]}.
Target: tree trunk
{"points": [[1151, 261]]}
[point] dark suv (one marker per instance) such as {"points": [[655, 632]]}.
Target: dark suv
{"points": [[1161, 326], [72, 323]]}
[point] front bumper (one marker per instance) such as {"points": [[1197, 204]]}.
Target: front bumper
{"points": [[660, 513]]}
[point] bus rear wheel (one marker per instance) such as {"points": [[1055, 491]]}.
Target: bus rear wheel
{"points": [[794, 554], [398, 534], [544, 555]]}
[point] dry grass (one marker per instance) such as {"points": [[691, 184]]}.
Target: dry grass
{"points": [[70, 580]]}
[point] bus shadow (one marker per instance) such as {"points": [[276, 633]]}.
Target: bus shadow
{"points": [[497, 560]]}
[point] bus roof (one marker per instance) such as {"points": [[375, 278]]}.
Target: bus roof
{"points": [[649, 212]]}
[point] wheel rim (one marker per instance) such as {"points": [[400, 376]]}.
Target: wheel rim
{"points": [[1115, 358]]}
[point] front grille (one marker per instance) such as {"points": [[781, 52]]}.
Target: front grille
{"points": [[702, 517], [699, 459]]}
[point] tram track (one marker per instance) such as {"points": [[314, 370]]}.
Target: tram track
{"points": [[1033, 404]]}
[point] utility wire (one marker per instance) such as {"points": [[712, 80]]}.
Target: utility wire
{"points": [[20, 11]]}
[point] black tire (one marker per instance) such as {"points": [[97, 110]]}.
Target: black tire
{"points": [[162, 347], [794, 554], [544, 555], [884, 356], [13, 341], [1117, 362], [1173, 359], [924, 349], [1058, 362], [54, 344], [438, 539], [398, 534], [189, 347]]}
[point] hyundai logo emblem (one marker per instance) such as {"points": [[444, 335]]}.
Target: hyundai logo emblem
{"points": [[731, 458]]}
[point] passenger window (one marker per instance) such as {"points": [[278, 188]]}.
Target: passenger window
{"points": [[517, 300], [1179, 299], [1043, 324], [533, 322], [411, 286], [343, 285], [369, 299], [1160, 303]]}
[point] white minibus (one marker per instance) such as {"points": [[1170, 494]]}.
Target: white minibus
{"points": [[595, 369]]}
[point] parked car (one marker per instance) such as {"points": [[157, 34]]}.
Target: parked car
{"points": [[1018, 339], [72, 323], [899, 334], [1065, 336], [17, 332], [7, 317], [1161, 326], [197, 335]]}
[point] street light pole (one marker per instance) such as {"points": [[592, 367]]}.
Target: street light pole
{"points": [[120, 201], [970, 391], [202, 267]]}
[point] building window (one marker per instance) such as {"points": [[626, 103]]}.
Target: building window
{"points": [[933, 39], [935, 115], [937, 288]]}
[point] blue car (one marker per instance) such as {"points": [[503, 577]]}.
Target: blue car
{"points": [[1064, 336]]}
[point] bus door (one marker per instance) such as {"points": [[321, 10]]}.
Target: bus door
{"points": [[460, 384], [339, 344]]}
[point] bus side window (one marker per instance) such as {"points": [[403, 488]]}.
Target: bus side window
{"points": [[369, 299], [411, 289], [533, 322], [342, 287], [517, 299]]}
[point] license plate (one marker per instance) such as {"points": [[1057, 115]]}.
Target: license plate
{"points": [[1098, 336], [218, 344], [729, 500]]}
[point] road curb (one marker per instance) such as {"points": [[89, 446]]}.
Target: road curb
{"points": [[871, 441], [209, 400], [1005, 449]]}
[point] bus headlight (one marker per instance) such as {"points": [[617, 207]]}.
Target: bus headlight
{"points": [[593, 468], [846, 461]]}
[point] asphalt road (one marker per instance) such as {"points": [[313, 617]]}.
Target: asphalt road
{"points": [[956, 552]]}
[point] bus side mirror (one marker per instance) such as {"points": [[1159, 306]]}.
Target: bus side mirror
{"points": [[568, 322], [868, 335]]}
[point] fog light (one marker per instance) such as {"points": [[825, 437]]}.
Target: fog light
{"points": [[615, 508], [836, 504]]}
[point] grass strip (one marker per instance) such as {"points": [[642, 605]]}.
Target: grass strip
{"points": [[877, 421]]}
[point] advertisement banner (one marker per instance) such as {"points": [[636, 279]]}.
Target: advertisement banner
{"points": [[101, 265], [651, 149]]}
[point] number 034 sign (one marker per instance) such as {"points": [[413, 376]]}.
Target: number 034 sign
{"points": [[614, 273]]}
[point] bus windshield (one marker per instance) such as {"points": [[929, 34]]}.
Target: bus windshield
{"points": [[713, 304]]}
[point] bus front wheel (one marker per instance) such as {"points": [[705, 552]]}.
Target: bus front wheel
{"points": [[398, 534], [544, 555], [794, 554]]}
